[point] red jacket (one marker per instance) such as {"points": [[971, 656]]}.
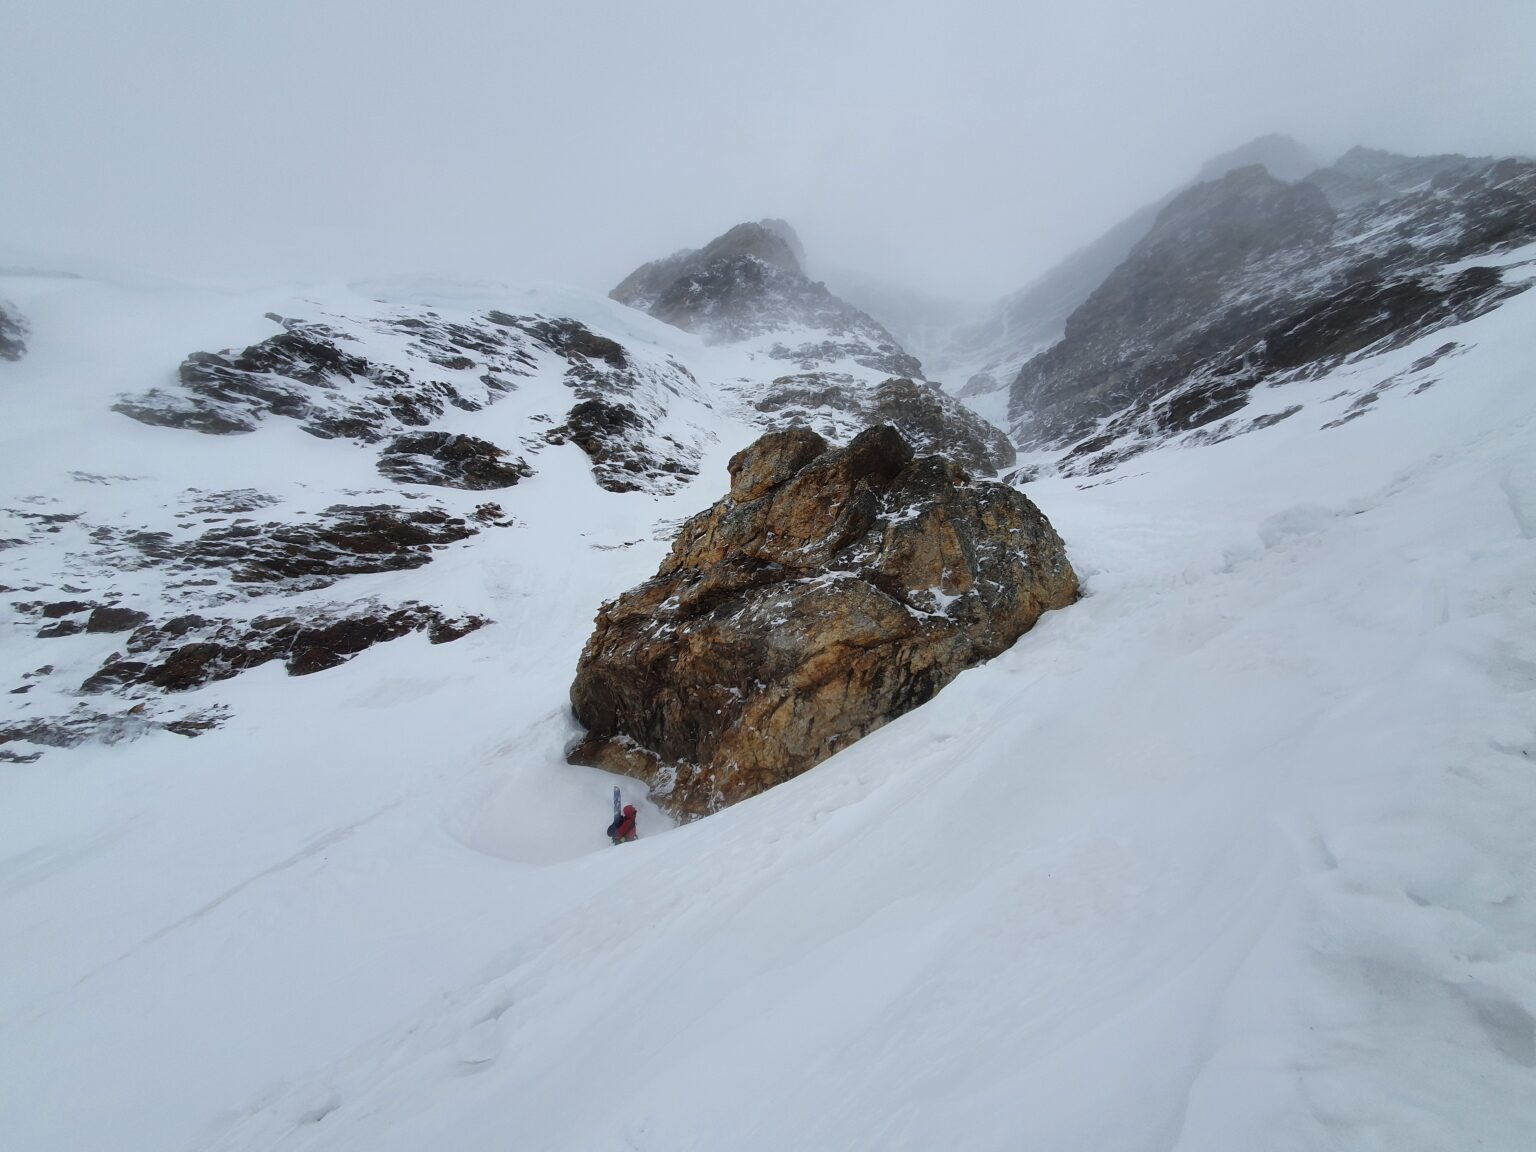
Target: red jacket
{"points": [[625, 829]]}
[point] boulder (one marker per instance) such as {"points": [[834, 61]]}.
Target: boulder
{"points": [[832, 591]]}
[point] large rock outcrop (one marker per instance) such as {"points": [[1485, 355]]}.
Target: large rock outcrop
{"points": [[833, 590]]}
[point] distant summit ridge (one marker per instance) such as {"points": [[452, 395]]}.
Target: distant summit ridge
{"points": [[1282, 156], [750, 282], [771, 241]]}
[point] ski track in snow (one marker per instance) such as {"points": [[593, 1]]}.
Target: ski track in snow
{"points": [[1235, 853]]}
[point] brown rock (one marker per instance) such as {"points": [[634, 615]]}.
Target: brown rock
{"points": [[833, 591], [771, 461]]}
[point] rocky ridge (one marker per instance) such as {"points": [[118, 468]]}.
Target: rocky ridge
{"points": [[833, 590], [984, 355], [1248, 280]]}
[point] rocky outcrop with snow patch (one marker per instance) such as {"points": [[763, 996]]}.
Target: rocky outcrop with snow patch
{"points": [[833, 590], [176, 596], [450, 461], [307, 552], [185, 652], [393, 376]]}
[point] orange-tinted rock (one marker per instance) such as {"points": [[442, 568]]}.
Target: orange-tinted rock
{"points": [[835, 590]]}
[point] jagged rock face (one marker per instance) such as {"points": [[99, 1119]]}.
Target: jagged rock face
{"points": [[833, 590], [749, 283], [1152, 318], [401, 385], [13, 333], [1247, 280], [925, 415]]}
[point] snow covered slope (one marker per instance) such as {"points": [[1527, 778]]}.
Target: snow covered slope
{"points": [[1235, 853]]}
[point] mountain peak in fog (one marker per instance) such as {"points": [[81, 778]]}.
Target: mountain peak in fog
{"points": [[1284, 157]]}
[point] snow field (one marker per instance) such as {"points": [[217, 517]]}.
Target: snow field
{"points": [[1235, 853]]}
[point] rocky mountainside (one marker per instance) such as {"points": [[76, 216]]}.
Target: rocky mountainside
{"points": [[833, 590], [1250, 280], [842, 371], [986, 354]]}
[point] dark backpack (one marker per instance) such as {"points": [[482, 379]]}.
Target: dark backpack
{"points": [[614, 827]]}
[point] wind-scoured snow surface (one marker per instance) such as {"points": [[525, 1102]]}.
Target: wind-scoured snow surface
{"points": [[1237, 853]]}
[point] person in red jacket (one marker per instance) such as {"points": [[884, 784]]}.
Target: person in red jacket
{"points": [[623, 827]]}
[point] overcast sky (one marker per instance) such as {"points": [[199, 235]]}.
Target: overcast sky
{"points": [[950, 145]]}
